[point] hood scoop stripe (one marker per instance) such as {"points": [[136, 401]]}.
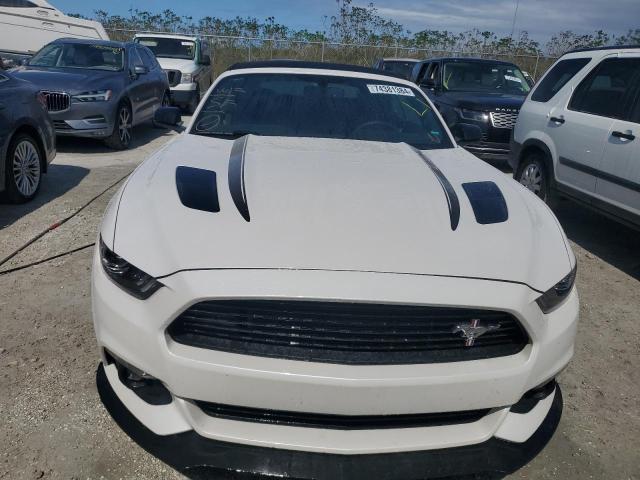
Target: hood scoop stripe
{"points": [[487, 202], [197, 188], [236, 176], [450, 194]]}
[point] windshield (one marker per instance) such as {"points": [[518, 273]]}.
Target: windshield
{"points": [[298, 105], [79, 55], [484, 77], [399, 67], [169, 47]]}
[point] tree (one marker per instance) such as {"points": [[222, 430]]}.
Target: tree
{"points": [[568, 40], [631, 38]]}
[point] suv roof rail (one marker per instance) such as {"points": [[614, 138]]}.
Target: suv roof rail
{"points": [[314, 65], [608, 47]]}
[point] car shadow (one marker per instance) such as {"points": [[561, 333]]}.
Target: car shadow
{"points": [[58, 180], [142, 135], [210, 473], [613, 242]]}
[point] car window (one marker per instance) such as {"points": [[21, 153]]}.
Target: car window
{"points": [[432, 73], [609, 89], [147, 58], [635, 116], [134, 59], [17, 4], [558, 76], [79, 55], [321, 106], [470, 76], [399, 67], [169, 47], [420, 78]]}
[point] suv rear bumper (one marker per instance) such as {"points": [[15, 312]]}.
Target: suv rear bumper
{"points": [[190, 452]]}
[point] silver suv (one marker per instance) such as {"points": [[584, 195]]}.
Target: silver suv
{"points": [[576, 135]]}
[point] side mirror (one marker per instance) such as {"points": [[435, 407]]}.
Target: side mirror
{"points": [[465, 132], [140, 70], [170, 116], [206, 60]]}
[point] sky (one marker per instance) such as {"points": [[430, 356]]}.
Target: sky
{"points": [[541, 18]]}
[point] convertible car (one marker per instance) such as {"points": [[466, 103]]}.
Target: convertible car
{"points": [[315, 281]]}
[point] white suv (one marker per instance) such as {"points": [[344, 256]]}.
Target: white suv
{"points": [[576, 132], [187, 61]]}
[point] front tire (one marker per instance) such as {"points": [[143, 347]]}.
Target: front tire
{"points": [[193, 104], [533, 174], [121, 137], [166, 101], [23, 169]]}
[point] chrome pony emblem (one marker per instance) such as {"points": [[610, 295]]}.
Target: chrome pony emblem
{"points": [[474, 329]]}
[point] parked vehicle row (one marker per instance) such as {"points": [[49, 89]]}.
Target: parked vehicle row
{"points": [[573, 135]]}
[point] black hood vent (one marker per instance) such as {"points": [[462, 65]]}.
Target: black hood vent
{"points": [[487, 202], [197, 189], [236, 176]]}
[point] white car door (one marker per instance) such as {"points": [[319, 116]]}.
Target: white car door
{"points": [[580, 132], [618, 176]]}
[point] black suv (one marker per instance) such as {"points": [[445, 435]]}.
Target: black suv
{"points": [[486, 93]]}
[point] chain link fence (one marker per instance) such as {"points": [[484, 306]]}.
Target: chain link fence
{"points": [[226, 51]]}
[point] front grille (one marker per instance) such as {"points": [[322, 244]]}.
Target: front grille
{"points": [[174, 77], [504, 119], [61, 125], [57, 101], [339, 422], [346, 333]]}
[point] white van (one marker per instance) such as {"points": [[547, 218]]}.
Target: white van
{"points": [[187, 61], [578, 132]]}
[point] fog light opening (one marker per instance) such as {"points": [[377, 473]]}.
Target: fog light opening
{"points": [[145, 386]]}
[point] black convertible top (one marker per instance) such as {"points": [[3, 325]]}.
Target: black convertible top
{"points": [[311, 65]]}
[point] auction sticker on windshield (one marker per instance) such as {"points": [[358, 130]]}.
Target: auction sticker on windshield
{"points": [[391, 90]]}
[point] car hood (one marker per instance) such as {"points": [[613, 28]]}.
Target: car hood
{"points": [[176, 64], [482, 101], [331, 204], [66, 80]]}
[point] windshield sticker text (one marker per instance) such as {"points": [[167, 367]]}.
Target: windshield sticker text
{"points": [[512, 79], [391, 90]]}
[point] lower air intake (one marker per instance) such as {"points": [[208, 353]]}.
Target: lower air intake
{"points": [[339, 422]]}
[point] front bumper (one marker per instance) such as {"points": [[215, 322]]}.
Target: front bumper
{"points": [[489, 150], [90, 119], [184, 93], [268, 383], [189, 452]]}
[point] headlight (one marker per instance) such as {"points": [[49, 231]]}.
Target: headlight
{"points": [[186, 78], [131, 279], [473, 115], [552, 298], [96, 96]]}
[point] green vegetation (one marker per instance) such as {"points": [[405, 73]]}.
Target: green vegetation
{"points": [[355, 34]]}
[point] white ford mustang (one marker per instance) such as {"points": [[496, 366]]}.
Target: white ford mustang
{"points": [[315, 281]]}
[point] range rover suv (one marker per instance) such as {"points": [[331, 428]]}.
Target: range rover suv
{"points": [[486, 93], [576, 135]]}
